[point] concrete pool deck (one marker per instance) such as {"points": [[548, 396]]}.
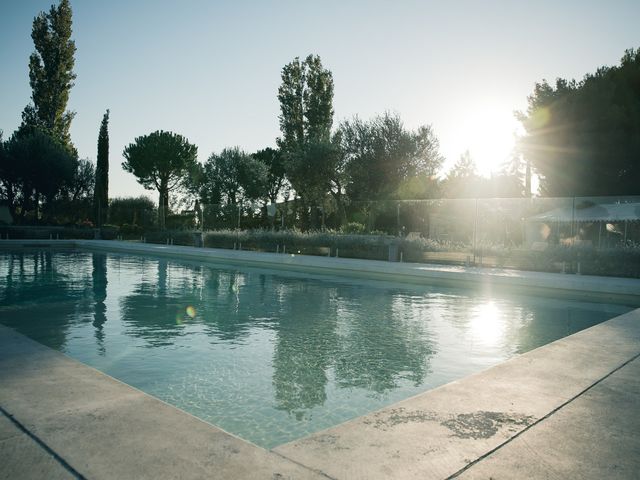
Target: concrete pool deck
{"points": [[570, 409]]}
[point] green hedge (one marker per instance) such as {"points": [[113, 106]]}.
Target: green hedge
{"points": [[623, 261], [173, 237], [374, 247], [108, 232]]}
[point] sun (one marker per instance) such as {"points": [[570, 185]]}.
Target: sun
{"points": [[489, 131]]}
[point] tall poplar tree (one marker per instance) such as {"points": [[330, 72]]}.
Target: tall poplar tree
{"points": [[306, 118], [51, 73], [101, 192], [306, 103]]}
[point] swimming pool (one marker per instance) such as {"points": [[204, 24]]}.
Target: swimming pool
{"points": [[267, 355]]}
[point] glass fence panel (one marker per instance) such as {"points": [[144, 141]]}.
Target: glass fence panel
{"points": [[588, 235]]}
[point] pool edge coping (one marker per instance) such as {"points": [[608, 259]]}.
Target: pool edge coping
{"points": [[615, 289]]}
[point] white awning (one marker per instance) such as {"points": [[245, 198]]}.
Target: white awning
{"points": [[605, 212]]}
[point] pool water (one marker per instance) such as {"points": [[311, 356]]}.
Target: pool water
{"points": [[268, 355]]}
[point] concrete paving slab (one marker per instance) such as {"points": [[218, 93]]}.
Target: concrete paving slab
{"points": [[7, 428], [21, 457], [105, 429], [594, 437], [435, 434]]}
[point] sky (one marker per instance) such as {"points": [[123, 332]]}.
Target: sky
{"points": [[210, 70]]}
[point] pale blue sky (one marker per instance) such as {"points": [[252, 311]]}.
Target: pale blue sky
{"points": [[210, 70]]}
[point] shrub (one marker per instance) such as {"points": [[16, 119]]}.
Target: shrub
{"points": [[132, 211], [131, 231], [312, 243], [353, 228], [175, 237]]}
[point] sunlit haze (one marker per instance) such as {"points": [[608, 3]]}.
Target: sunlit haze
{"points": [[210, 70], [488, 130]]}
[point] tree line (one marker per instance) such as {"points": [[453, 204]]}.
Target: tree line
{"points": [[41, 176], [582, 138], [318, 175]]}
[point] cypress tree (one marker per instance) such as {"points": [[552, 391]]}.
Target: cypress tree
{"points": [[101, 192]]}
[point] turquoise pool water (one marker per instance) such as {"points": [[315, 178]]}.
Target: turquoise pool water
{"points": [[267, 355]]}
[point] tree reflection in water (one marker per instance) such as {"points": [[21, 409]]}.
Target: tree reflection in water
{"points": [[322, 329], [42, 294], [154, 308], [305, 346], [363, 337], [99, 284], [376, 355]]}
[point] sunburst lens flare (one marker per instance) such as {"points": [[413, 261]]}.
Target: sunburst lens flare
{"points": [[487, 130], [540, 118]]}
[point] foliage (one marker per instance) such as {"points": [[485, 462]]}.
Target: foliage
{"points": [[6, 183], [132, 211], [382, 156], [55, 232], [163, 161], [464, 182], [234, 176], [622, 261], [353, 228], [583, 138], [295, 242], [311, 168], [51, 73], [37, 167], [173, 237], [229, 183], [41, 177], [465, 167], [276, 174], [82, 185], [315, 172], [306, 117], [306, 103], [181, 221], [74, 204], [131, 232], [101, 192]]}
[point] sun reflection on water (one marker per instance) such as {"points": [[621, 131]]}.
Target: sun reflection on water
{"points": [[487, 325]]}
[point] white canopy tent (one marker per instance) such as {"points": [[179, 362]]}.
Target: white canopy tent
{"points": [[606, 214]]}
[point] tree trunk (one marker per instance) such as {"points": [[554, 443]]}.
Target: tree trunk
{"points": [[26, 201], [342, 214], [163, 201], [37, 206], [11, 200]]}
